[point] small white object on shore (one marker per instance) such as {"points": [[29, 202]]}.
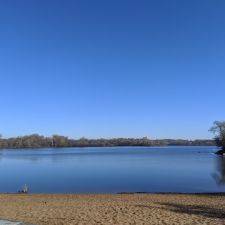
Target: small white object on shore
{"points": [[24, 190]]}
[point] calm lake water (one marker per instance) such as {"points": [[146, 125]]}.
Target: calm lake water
{"points": [[112, 170]]}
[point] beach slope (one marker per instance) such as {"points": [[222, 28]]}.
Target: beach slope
{"points": [[62, 209]]}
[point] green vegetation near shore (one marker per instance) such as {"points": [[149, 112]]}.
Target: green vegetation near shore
{"points": [[38, 141]]}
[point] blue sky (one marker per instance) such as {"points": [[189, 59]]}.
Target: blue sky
{"points": [[115, 68]]}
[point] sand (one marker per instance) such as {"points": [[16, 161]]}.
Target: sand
{"points": [[113, 209]]}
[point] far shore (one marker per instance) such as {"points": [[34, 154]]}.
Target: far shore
{"points": [[126, 208], [56, 141], [113, 146]]}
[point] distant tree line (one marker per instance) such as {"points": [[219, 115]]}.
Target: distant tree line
{"points": [[56, 141]]}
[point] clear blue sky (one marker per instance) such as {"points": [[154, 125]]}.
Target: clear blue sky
{"points": [[112, 68]]}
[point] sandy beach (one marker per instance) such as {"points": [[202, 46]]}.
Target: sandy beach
{"points": [[60, 209]]}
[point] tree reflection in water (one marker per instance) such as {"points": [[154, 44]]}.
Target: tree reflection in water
{"points": [[219, 176]]}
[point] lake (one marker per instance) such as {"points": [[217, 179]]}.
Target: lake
{"points": [[113, 170]]}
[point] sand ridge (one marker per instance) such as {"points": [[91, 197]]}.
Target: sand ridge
{"points": [[68, 209]]}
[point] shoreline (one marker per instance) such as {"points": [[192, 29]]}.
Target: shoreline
{"points": [[119, 193], [129, 208], [113, 146]]}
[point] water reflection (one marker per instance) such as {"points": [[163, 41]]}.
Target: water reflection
{"points": [[219, 176]]}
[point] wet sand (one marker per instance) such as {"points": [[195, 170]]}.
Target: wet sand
{"points": [[104, 209]]}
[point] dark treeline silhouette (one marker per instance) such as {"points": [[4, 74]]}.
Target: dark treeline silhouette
{"points": [[38, 141]]}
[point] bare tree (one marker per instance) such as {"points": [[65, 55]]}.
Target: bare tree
{"points": [[218, 129]]}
